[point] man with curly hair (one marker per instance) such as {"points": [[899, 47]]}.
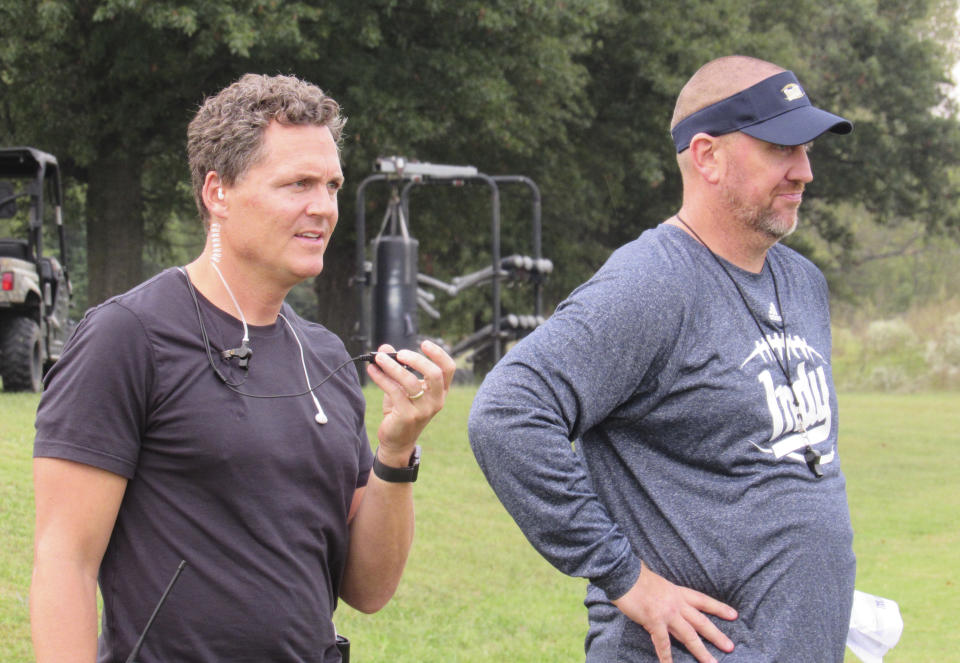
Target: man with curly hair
{"points": [[196, 417]]}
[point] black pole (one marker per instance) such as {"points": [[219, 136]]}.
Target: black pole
{"points": [[360, 276], [495, 242], [163, 597], [536, 231]]}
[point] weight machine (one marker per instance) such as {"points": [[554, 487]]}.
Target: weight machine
{"points": [[390, 290]]}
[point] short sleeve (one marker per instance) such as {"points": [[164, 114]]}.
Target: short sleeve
{"points": [[95, 402]]}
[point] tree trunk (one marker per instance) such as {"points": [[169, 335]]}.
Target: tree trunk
{"points": [[114, 225]]}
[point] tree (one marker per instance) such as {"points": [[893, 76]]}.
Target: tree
{"points": [[576, 94], [882, 64], [490, 84], [109, 85]]}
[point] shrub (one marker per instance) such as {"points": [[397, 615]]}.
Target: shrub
{"points": [[943, 355], [886, 337], [887, 356]]}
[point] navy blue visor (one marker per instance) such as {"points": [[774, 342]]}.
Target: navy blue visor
{"points": [[776, 110]]}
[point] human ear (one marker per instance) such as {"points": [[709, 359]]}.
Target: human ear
{"points": [[214, 196], [706, 156]]}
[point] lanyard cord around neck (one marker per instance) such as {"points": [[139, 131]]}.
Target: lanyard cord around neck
{"points": [[810, 455], [784, 367]]}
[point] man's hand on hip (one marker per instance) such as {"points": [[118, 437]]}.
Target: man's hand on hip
{"points": [[665, 609]]}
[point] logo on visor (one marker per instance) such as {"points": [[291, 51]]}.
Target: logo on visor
{"points": [[792, 92]]}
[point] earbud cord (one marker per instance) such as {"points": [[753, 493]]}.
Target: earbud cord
{"points": [[243, 320], [214, 259], [203, 334], [367, 356], [321, 417]]}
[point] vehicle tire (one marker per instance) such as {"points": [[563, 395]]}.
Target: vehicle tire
{"points": [[22, 368]]}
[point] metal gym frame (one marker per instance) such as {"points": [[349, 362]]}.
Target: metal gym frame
{"points": [[389, 288]]}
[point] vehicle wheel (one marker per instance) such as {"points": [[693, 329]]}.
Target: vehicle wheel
{"points": [[22, 368]]}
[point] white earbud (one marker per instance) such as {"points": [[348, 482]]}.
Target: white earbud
{"points": [[320, 417], [220, 193]]}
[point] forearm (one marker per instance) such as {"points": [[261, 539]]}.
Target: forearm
{"points": [[381, 530], [63, 613], [76, 507], [381, 534]]}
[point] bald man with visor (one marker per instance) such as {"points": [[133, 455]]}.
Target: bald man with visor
{"points": [[670, 433]]}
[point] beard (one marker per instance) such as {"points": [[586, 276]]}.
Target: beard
{"points": [[760, 218], [763, 219]]}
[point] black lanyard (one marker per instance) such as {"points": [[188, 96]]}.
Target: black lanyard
{"points": [[810, 455]]}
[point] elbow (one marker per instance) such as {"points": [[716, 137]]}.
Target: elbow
{"points": [[370, 590], [493, 431], [369, 602], [370, 607], [482, 432]]}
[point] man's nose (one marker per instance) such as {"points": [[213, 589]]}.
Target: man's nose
{"points": [[800, 170], [323, 203]]}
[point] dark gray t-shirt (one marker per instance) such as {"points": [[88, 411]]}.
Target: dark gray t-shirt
{"points": [[688, 449], [252, 493]]}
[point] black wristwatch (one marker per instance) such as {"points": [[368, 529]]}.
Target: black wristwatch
{"points": [[398, 474]]}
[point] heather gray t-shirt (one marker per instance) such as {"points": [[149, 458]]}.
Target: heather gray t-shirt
{"points": [[252, 493], [688, 453]]}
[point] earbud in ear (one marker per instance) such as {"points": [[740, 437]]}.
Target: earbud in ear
{"points": [[219, 193]]}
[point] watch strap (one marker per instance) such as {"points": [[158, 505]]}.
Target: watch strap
{"points": [[398, 474]]}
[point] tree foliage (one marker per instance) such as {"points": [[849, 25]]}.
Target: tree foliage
{"points": [[576, 94], [108, 86], [879, 63]]}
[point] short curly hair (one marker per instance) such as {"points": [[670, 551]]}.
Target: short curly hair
{"points": [[226, 134]]}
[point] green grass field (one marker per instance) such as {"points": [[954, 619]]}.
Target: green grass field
{"points": [[474, 589]]}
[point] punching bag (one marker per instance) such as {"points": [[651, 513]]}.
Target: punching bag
{"points": [[395, 291]]}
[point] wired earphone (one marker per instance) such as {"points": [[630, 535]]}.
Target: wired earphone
{"points": [[244, 353]]}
